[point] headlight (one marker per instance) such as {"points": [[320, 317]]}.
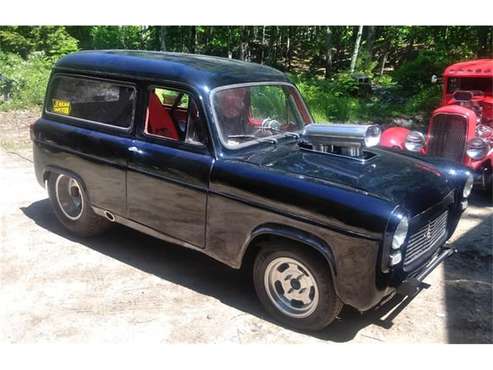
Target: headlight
{"points": [[400, 233], [468, 186], [477, 148], [372, 136], [415, 141]]}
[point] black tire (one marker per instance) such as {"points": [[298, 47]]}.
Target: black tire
{"points": [[87, 223], [329, 305]]}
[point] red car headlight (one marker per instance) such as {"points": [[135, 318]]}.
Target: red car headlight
{"points": [[477, 148]]}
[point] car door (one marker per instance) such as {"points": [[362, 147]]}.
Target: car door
{"points": [[169, 166]]}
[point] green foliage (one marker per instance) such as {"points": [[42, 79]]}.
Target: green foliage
{"points": [[327, 104], [399, 60], [366, 64], [120, 37], [268, 101], [53, 41], [29, 79], [415, 75], [423, 101]]}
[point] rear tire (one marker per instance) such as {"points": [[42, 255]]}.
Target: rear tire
{"points": [[295, 286], [71, 206]]}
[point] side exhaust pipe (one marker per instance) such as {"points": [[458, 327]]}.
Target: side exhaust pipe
{"points": [[109, 216]]}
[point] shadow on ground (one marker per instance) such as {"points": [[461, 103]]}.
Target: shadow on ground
{"points": [[204, 275], [468, 277]]}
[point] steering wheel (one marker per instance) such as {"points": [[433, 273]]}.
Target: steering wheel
{"points": [[271, 125]]}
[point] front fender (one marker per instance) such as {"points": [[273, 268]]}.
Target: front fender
{"points": [[394, 138], [294, 234]]}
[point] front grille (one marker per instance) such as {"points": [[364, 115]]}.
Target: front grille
{"points": [[448, 137], [427, 237]]}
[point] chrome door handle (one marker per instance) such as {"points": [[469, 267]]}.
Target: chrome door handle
{"points": [[134, 149]]}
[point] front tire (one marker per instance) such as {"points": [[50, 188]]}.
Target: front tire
{"points": [[71, 206], [295, 286]]}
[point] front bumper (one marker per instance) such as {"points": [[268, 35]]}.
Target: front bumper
{"points": [[412, 284]]}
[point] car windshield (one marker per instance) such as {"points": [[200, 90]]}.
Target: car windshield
{"points": [[483, 84], [252, 113]]}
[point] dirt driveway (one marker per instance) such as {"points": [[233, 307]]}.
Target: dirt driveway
{"points": [[127, 287]]}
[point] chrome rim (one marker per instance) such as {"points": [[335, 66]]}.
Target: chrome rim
{"points": [[291, 287], [69, 197]]}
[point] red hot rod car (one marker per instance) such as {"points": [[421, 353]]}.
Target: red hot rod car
{"points": [[461, 129]]}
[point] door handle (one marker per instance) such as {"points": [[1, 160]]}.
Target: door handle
{"points": [[134, 149]]}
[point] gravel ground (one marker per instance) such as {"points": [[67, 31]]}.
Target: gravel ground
{"points": [[128, 287]]}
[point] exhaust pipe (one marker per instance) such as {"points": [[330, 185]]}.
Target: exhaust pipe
{"points": [[109, 216]]}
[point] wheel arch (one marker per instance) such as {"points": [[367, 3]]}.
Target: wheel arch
{"points": [[272, 231], [49, 170]]}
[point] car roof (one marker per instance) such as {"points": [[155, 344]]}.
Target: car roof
{"points": [[471, 68], [200, 71]]}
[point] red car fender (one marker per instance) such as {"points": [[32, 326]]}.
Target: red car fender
{"points": [[394, 137]]}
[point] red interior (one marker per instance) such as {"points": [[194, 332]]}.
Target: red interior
{"points": [[159, 121]]}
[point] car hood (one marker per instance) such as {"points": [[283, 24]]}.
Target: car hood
{"points": [[409, 182]]}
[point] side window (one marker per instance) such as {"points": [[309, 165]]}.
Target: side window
{"points": [[174, 115], [94, 100]]}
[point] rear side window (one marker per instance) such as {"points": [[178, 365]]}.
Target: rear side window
{"points": [[99, 101]]}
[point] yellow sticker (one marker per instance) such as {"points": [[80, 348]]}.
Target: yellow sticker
{"points": [[61, 106]]}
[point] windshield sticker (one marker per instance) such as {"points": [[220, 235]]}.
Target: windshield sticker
{"points": [[61, 106]]}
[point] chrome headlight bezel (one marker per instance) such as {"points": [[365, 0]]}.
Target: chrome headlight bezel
{"points": [[372, 136], [400, 233], [477, 148], [415, 141], [468, 185]]}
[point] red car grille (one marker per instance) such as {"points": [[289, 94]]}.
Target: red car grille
{"points": [[448, 137]]}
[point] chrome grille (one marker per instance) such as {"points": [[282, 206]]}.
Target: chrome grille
{"points": [[448, 137], [426, 238]]}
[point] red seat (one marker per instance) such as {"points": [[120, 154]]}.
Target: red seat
{"points": [[159, 121]]}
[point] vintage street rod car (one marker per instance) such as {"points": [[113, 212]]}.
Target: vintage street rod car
{"points": [[461, 129], [222, 156]]}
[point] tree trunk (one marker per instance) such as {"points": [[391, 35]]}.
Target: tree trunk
{"points": [[243, 44], [162, 38], [328, 52], [270, 50], [357, 43], [207, 37], [182, 43], [230, 53], [193, 39], [370, 40], [278, 46], [288, 49], [262, 46], [384, 61]]}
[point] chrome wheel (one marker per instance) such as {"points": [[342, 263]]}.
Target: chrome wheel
{"points": [[291, 287], [69, 197]]}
